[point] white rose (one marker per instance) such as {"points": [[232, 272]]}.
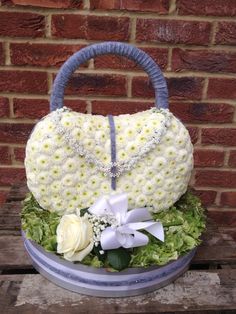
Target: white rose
{"points": [[74, 237]]}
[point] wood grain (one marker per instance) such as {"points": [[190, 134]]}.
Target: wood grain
{"points": [[200, 290]]}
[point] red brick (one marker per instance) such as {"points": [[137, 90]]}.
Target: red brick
{"points": [[15, 133], [97, 84], [4, 107], [90, 27], [221, 88], [179, 88], [208, 158], [45, 55], [5, 157], [216, 178], [57, 4], [23, 82], [37, 108], [232, 158], [228, 199], [76, 105], [2, 54], [203, 112], [159, 55], [118, 107], [206, 7], [207, 197], [19, 24], [8, 176], [226, 33], [30, 108], [193, 132], [157, 6], [221, 136], [203, 60], [3, 196], [173, 32], [226, 219], [19, 154]]}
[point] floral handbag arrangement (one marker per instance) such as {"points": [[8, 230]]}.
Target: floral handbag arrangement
{"points": [[110, 192]]}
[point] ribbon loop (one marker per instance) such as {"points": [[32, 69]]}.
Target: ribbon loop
{"points": [[125, 233]]}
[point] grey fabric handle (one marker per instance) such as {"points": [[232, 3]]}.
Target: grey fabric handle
{"points": [[117, 48]]}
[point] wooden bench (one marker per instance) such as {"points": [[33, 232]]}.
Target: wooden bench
{"points": [[208, 287]]}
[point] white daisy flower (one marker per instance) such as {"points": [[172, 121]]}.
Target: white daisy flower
{"points": [[69, 165], [47, 147], [93, 182], [68, 180], [170, 152], [148, 188], [56, 172], [159, 163], [55, 186], [43, 162]]}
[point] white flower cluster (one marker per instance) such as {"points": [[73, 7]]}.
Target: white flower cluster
{"points": [[63, 180], [136, 153], [99, 224]]}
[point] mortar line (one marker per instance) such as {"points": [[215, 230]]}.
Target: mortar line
{"points": [[13, 159], [217, 199], [86, 4], [123, 72], [129, 85], [133, 30], [49, 82], [6, 47], [226, 159], [89, 107], [117, 13], [221, 208], [12, 166], [5, 188], [203, 188], [122, 98], [172, 8], [78, 41], [213, 33], [205, 88], [11, 107], [169, 59], [48, 19]]}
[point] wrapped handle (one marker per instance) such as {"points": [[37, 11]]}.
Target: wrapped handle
{"points": [[117, 48]]}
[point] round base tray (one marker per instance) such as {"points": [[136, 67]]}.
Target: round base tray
{"points": [[100, 282]]}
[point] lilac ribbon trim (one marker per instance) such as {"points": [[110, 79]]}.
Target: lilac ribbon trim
{"points": [[113, 149]]}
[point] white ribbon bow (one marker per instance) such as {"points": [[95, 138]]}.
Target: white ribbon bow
{"points": [[125, 232]]}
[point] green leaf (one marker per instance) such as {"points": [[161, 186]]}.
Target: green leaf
{"points": [[119, 258], [96, 251], [83, 211]]}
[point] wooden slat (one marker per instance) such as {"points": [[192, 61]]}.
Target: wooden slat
{"points": [[196, 290], [13, 254]]}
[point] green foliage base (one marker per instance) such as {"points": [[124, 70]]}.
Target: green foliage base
{"points": [[183, 223]]}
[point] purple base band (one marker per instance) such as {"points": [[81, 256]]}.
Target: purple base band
{"points": [[98, 281]]}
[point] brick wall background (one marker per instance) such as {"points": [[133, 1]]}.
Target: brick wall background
{"points": [[192, 40]]}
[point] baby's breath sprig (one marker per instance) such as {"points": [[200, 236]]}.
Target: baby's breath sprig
{"points": [[99, 224]]}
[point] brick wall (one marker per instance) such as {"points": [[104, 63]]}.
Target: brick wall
{"points": [[193, 41]]}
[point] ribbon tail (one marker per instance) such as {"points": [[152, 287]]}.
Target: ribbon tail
{"points": [[156, 230], [109, 240], [130, 238], [138, 239]]}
